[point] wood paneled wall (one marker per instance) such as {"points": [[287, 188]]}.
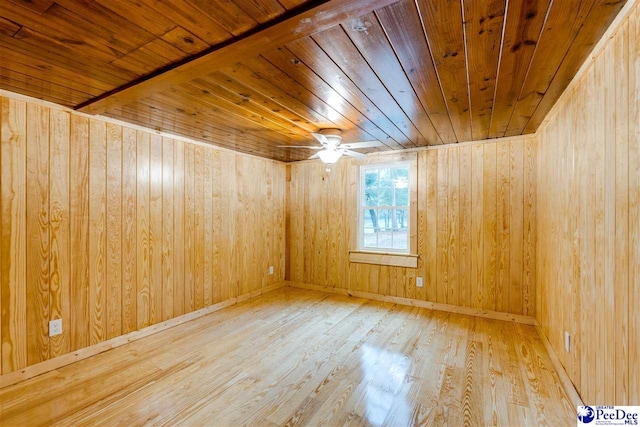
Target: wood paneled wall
{"points": [[113, 229], [588, 262], [476, 228]]}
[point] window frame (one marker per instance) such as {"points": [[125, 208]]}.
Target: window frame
{"points": [[357, 254], [361, 207]]}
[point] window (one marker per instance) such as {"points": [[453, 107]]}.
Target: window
{"points": [[384, 207], [384, 191]]}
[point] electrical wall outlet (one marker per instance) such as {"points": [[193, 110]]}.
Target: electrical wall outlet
{"points": [[55, 327], [271, 269], [419, 282], [567, 341]]}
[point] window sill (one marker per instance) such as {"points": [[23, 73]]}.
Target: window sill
{"points": [[384, 258]]}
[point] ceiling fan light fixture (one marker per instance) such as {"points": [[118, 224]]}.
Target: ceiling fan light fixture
{"points": [[330, 156]]}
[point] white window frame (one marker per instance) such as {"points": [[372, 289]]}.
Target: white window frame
{"points": [[362, 206]]}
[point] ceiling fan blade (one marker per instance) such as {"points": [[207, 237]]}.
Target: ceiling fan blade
{"points": [[309, 147], [353, 153], [363, 144], [320, 137], [315, 156]]}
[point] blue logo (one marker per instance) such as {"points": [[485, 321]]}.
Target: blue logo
{"points": [[586, 414]]}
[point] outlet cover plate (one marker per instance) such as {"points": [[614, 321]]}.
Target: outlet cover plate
{"points": [[55, 327], [419, 282]]}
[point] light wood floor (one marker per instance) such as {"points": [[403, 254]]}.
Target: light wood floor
{"points": [[301, 357]]}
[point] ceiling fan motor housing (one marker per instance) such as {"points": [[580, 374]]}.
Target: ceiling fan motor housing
{"points": [[331, 132], [334, 137]]}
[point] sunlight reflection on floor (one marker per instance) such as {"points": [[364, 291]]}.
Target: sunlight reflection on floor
{"points": [[385, 374]]}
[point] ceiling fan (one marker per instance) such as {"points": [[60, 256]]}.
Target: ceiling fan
{"points": [[331, 149]]}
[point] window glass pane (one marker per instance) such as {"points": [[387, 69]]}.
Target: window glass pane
{"points": [[401, 177], [370, 238], [384, 238], [401, 219], [385, 197], [370, 217], [371, 178], [386, 178], [384, 219], [402, 197], [400, 239], [371, 197]]}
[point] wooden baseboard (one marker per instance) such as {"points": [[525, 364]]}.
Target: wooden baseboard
{"points": [[488, 314], [75, 356], [562, 374]]}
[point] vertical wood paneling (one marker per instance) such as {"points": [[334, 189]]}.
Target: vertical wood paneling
{"points": [[143, 305], [514, 285], [129, 231], [608, 302], [98, 230], [334, 263], [13, 202], [621, 251], [216, 222], [168, 274], [600, 238], [60, 251], [634, 205], [529, 290], [229, 282], [252, 266], [468, 228], [477, 228], [4, 118], [307, 227], [279, 240], [490, 225], [430, 175], [293, 225], [155, 230], [442, 245], [422, 234], [453, 226], [178, 229], [320, 233], [208, 252], [587, 223], [503, 227], [37, 225], [189, 229], [466, 206], [113, 309], [97, 220], [198, 227], [79, 231]]}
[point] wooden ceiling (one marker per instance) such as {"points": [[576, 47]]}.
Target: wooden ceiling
{"points": [[254, 74]]}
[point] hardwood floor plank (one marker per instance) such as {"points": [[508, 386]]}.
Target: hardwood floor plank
{"points": [[348, 361]]}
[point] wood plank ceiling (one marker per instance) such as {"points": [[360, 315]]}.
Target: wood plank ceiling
{"points": [[254, 74]]}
